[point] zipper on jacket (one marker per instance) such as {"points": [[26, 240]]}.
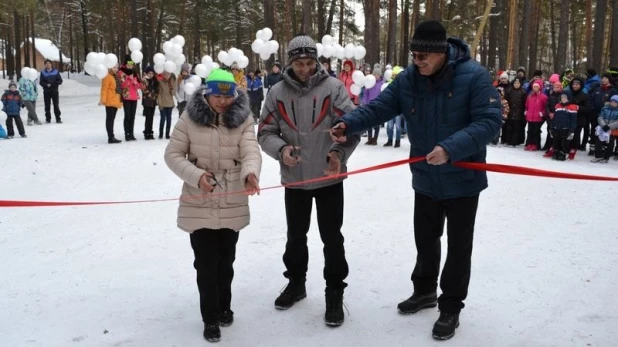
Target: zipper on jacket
{"points": [[294, 114], [313, 117]]}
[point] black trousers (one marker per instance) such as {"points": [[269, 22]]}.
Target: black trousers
{"points": [[181, 107], [429, 217], [18, 122], [255, 109], [149, 114], [603, 149], [329, 205], [48, 97], [110, 116], [512, 132], [534, 134], [561, 144], [580, 141], [593, 123], [215, 252], [130, 108]]}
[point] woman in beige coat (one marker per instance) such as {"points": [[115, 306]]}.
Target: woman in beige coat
{"points": [[213, 149]]}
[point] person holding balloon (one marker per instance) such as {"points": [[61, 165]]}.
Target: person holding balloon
{"points": [[131, 84], [111, 98], [167, 89], [28, 91]]}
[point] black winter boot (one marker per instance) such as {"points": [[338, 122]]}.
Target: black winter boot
{"points": [[417, 302], [113, 140], [227, 318], [212, 333], [334, 307], [591, 151], [388, 143], [293, 292], [397, 143], [445, 326]]}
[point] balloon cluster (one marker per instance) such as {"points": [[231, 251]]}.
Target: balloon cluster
{"points": [[388, 75], [263, 45], [233, 55], [97, 64], [201, 71], [360, 81], [328, 48], [30, 73], [173, 57], [135, 46]]}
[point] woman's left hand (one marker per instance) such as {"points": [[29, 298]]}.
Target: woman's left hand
{"points": [[252, 186]]}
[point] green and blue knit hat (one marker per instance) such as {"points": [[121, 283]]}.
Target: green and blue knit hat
{"points": [[220, 82]]}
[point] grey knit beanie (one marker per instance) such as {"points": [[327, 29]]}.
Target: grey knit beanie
{"points": [[300, 47]]}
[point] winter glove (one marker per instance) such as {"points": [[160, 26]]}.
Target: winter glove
{"points": [[571, 135], [606, 128]]}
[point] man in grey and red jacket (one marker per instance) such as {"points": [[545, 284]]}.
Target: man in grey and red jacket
{"points": [[297, 115]]}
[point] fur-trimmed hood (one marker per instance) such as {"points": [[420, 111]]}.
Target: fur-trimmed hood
{"points": [[201, 113]]}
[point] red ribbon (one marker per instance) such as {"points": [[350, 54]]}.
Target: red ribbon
{"points": [[508, 169]]}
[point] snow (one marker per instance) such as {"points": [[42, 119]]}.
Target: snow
{"points": [[48, 50], [544, 264]]}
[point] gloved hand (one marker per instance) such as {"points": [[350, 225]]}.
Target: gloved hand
{"points": [[606, 128], [571, 135]]}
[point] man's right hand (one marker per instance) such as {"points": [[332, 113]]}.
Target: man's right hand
{"points": [[287, 157], [337, 133]]}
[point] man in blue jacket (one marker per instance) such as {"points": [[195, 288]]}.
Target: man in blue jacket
{"points": [[50, 80], [452, 111]]}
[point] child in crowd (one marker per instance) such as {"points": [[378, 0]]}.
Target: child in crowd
{"points": [[607, 131], [562, 126], [13, 104]]}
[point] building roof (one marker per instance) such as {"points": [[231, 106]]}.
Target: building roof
{"points": [[48, 50]]}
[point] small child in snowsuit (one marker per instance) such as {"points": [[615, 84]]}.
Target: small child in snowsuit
{"points": [[607, 131], [12, 106], [505, 115], [563, 127]]}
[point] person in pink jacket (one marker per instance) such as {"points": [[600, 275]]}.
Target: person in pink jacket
{"points": [[536, 111], [346, 78], [130, 84]]}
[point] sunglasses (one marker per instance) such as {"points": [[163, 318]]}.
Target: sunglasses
{"points": [[420, 56]]}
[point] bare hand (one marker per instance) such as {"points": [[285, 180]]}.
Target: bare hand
{"points": [[100, 103], [437, 157], [287, 157], [337, 133], [334, 165], [551, 115], [204, 185], [252, 185]]}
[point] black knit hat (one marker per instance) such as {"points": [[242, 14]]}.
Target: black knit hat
{"points": [[538, 73], [591, 72], [429, 37]]}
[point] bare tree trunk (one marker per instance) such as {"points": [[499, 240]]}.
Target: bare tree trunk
{"points": [[574, 34], [321, 4], [85, 32], [563, 36], [26, 41], [71, 56], [305, 26], [479, 31], [435, 10], [513, 11], [501, 44], [405, 35], [533, 35], [524, 43], [589, 42], [17, 28], [269, 21], [599, 35], [294, 19], [157, 44], [331, 16], [416, 16], [613, 47], [492, 40], [32, 19], [372, 26], [134, 17], [391, 42]]}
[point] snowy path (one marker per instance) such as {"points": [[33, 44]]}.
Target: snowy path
{"points": [[545, 261]]}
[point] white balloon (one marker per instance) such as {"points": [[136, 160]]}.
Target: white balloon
{"points": [[110, 60], [320, 48], [195, 79], [33, 74], [370, 81], [264, 56], [274, 46], [327, 40], [213, 67], [101, 71], [267, 34], [358, 77], [388, 75], [100, 58], [24, 71], [258, 35], [384, 85], [181, 59], [340, 52], [91, 57], [169, 57], [349, 50], [159, 68], [158, 59], [265, 49], [135, 44], [190, 88], [222, 56], [206, 60], [328, 51], [137, 56], [256, 46], [176, 50], [355, 89], [170, 66], [90, 69], [167, 46], [233, 54], [201, 70], [359, 52], [179, 40], [2, 114], [243, 62]]}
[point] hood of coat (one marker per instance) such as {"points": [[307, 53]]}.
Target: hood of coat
{"points": [[201, 113], [581, 83]]}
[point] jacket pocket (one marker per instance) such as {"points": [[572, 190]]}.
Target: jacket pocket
{"points": [[192, 196], [235, 189]]}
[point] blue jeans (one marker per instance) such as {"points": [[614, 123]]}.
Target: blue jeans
{"points": [[166, 115], [389, 128]]}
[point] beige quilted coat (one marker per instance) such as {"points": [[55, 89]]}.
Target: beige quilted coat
{"points": [[226, 145]]}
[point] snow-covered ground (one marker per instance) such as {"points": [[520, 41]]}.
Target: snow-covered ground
{"points": [[545, 261]]}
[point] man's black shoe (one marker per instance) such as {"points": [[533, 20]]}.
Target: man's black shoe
{"points": [[417, 302], [334, 307], [293, 292], [227, 318], [212, 333], [445, 326]]}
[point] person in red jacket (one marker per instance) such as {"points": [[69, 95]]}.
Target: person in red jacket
{"points": [[536, 110], [131, 84], [346, 78]]}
